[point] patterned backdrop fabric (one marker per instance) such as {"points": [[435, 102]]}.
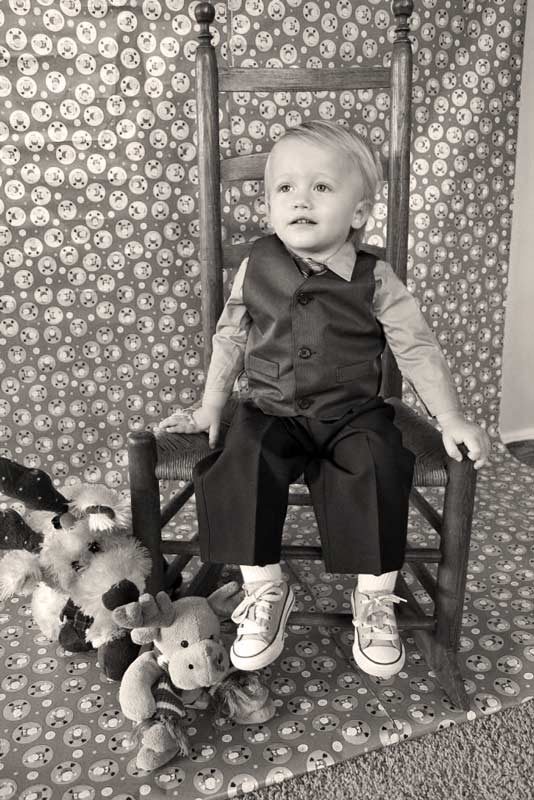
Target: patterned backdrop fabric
{"points": [[100, 334], [100, 328]]}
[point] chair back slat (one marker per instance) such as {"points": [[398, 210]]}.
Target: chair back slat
{"points": [[303, 80], [252, 167], [244, 168]]}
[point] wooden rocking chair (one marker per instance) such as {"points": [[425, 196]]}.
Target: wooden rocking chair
{"points": [[173, 456]]}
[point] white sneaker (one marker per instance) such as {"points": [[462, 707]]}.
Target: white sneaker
{"points": [[378, 649], [261, 618]]}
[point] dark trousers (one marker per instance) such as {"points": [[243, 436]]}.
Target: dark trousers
{"points": [[356, 468]]}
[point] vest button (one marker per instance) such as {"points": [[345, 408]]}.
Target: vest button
{"points": [[303, 299], [304, 352], [304, 403]]}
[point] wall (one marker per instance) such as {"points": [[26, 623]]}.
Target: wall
{"points": [[517, 404], [99, 304]]}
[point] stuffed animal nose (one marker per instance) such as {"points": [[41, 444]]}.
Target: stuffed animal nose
{"points": [[221, 663], [200, 665]]}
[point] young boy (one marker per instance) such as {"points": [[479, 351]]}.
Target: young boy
{"points": [[308, 318]]}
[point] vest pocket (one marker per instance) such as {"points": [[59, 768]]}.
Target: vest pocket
{"points": [[270, 368], [353, 371]]}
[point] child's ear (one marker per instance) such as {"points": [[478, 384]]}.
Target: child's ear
{"points": [[268, 213], [361, 214]]}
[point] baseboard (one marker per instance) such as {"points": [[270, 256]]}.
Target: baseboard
{"points": [[521, 435]]}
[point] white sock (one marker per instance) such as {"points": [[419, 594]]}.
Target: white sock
{"points": [[270, 572], [373, 583]]}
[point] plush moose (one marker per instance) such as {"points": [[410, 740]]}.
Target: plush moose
{"points": [[187, 666]]}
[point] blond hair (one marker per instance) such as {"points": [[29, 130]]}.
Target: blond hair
{"points": [[337, 137]]}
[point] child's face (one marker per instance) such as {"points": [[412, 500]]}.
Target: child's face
{"points": [[315, 196]]}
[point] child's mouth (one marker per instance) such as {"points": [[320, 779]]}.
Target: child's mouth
{"points": [[302, 221]]}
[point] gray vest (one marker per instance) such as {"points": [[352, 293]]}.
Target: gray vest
{"points": [[314, 345]]}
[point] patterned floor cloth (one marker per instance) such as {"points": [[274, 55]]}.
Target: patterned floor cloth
{"points": [[62, 734]]}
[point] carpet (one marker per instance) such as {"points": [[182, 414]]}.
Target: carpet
{"points": [[490, 759]]}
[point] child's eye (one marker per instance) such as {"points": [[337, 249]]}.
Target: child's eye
{"points": [[322, 187], [284, 187]]}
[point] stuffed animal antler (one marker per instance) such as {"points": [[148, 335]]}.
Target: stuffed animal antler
{"points": [[15, 534], [33, 487]]}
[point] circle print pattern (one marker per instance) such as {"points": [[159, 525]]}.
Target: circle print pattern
{"points": [[100, 296]]}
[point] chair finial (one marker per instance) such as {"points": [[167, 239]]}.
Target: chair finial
{"points": [[402, 8], [204, 14]]}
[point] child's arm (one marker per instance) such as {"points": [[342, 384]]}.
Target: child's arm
{"points": [[229, 343], [422, 362]]}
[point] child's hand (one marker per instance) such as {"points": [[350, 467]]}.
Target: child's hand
{"points": [[188, 420], [456, 430]]}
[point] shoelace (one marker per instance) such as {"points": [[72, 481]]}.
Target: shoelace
{"points": [[376, 616], [253, 613]]}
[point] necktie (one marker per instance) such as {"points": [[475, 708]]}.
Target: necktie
{"points": [[308, 266]]}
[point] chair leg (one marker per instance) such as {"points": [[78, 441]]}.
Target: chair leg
{"points": [[172, 580], [144, 491], [441, 647], [205, 580]]}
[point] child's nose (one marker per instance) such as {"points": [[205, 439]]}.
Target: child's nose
{"points": [[301, 201]]}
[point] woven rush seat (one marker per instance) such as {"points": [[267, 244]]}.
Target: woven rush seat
{"points": [[425, 442], [177, 453]]}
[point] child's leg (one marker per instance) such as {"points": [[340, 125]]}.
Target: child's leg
{"points": [[373, 583], [242, 495], [261, 617], [366, 479], [270, 572], [378, 648], [241, 491]]}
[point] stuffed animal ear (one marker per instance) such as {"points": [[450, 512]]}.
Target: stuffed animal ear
{"points": [[225, 600], [103, 507], [33, 487]]}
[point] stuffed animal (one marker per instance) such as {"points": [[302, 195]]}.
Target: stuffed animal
{"points": [[187, 666], [72, 556]]}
